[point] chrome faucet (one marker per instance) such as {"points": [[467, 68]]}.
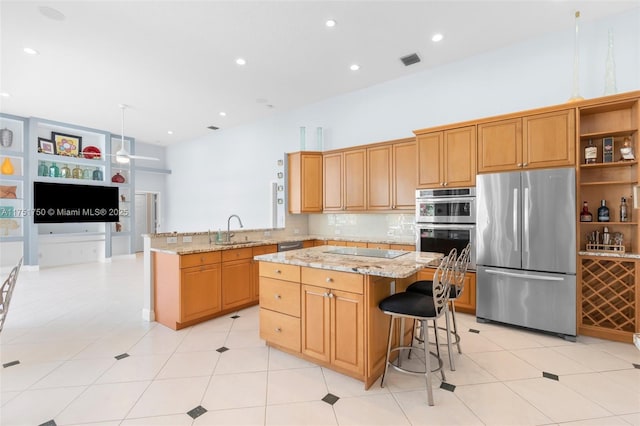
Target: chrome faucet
{"points": [[229, 226]]}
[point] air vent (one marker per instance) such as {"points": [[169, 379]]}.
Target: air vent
{"points": [[213, 127], [410, 59]]}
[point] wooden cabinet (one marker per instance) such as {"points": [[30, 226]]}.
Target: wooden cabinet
{"points": [[467, 300], [187, 288], [236, 278], [280, 305], [530, 142], [333, 318], [305, 182], [391, 178], [255, 269], [344, 175], [406, 247], [447, 158]]}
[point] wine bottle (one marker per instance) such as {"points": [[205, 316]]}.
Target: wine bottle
{"points": [[603, 212], [624, 217], [590, 153], [585, 215]]}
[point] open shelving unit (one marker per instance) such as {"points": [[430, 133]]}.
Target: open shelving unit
{"points": [[608, 296]]}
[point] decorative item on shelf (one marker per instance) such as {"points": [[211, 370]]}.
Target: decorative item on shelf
{"points": [[117, 178], [624, 215], [65, 171], [575, 93], [585, 215], [64, 144], [610, 68], [8, 191], [76, 173], [603, 212], [7, 225], [118, 227], [6, 137], [97, 174], [43, 169], [590, 153], [87, 174], [626, 150], [45, 146], [605, 242], [7, 167], [123, 198], [91, 152], [54, 170], [607, 150]]}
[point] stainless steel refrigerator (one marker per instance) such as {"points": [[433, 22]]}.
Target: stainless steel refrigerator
{"points": [[526, 249]]}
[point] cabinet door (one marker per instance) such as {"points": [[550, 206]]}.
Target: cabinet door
{"points": [[236, 283], [355, 178], [467, 300], [404, 176], [316, 323], [200, 292], [379, 177], [430, 160], [305, 182], [460, 157], [332, 181], [549, 140], [347, 331], [255, 269], [500, 146]]}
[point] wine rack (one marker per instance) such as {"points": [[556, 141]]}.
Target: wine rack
{"points": [[608, 298]]}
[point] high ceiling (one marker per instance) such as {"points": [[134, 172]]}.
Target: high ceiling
{"points": [[173, 62]]}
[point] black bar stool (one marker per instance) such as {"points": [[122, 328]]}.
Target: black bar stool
{"points": [[426, 287], [422, 308]]}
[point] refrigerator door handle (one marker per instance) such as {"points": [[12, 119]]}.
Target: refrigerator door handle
{"points": [[525, 220], [529, 277], [515, 219]]}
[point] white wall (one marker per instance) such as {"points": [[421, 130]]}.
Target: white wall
{"points": [[229, 171]]}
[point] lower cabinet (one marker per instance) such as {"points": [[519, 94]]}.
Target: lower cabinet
{"points": [[255, 269], [467, 300], [200, 292]]}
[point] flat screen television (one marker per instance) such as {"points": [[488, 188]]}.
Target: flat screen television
{"points": [[70, 203]]}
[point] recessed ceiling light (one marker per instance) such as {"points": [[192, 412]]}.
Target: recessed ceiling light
{"points": [[170, 132], [241, 61], [222, 114], [330, 23], [437, 37], [30, 51], [354, 67], [4, 94]]}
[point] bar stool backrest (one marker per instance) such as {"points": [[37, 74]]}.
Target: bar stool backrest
{"points": [[6, 291], [442, 280], [460, 270]]}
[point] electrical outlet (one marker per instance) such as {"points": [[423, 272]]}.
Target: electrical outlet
{"points": [[267, 233], [296, 231], [187, 239], [172, 240]]}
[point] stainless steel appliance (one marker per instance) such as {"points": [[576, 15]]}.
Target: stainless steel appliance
{"points": [[454, 205], [526, 241], [445, 219], [290, 245]]}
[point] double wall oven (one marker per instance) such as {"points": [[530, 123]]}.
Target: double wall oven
{"points": [[446, 219]]}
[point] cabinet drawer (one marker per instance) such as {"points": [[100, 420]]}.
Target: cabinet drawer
{"points": [[345, 281], [237, 254], [280, 271], [197, 259], [280, 296], [280, 329], [271, 248]]}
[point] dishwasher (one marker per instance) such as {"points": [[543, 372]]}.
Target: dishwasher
{"points": [[290, 245]]}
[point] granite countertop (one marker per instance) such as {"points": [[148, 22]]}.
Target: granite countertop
{"points": [[610, 254], [405, 265]]}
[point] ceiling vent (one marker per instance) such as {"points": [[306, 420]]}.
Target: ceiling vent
{"points": [[213, 127], [410, 59]]}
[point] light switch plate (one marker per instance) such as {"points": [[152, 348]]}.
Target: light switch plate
{"points": [[187, 239], [172, 240]]}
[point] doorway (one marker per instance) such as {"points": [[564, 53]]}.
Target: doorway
{"points": [[146, 208]]}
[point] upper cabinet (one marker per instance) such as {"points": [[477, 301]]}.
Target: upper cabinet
{"points": [[305, 182], [391, 176], [447, 158], [344, 175], [529, 142]]}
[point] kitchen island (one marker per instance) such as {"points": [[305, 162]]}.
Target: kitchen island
{"points": [[321, 304]]}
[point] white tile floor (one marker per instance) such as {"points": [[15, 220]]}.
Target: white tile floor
{"points": [[67, 324]]}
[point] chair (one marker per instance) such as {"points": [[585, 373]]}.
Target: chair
{"points": [[457, 286], [6, 291], [422, 308]]}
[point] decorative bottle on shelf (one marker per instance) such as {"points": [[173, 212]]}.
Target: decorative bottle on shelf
{"points": [[117, 178], [624, 217], [43, 169], [590, 153], [97, 174], [76, 173], [603, 212], [7, 167], [585, 215], [626, 150], [54, 171], [65, 171], [87, 174]]}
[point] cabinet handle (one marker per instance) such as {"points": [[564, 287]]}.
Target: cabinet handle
{"points": [[278, 271], [329, 280], [277, 296], [519, 164], [325, 294], [446, 183], [331, 295], [278, 330], [525, 164]]}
